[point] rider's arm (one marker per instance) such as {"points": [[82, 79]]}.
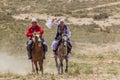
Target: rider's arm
{"points": [[57, 34], [41, 31], [68, 32], [29, 33], [54, 23]]}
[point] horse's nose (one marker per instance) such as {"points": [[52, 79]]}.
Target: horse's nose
{"points": [[65, 43]]}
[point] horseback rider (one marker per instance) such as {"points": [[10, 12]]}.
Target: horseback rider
{"points": [[30, 32], [61, 27]]}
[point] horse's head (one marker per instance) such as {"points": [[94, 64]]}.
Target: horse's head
{"points": [[63, 45], [64, 39], [36, 39]]}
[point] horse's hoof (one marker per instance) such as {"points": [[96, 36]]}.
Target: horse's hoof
{"points": [[37, 73], [33, 71], [42, 72], [66, 71], [58, 72]]}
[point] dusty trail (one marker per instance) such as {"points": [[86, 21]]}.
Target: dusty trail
{"points": [[21, 65], [12, 64]]}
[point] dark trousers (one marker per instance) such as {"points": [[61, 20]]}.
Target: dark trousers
{"points": [[69, 46], [29, 47]]}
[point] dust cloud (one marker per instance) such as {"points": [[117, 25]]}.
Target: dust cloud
{"points": [[21, 65], [13, 64]]}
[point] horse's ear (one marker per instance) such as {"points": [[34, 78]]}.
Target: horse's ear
{"points": [[33, 38]]}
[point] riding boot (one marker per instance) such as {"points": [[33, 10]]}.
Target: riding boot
{"points": [[44, 55], [29, 55], [55, 50], [69, 47], [45, 49], [69, 50], [29, 48], [29, 51]]}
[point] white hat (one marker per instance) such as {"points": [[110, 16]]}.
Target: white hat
{"points": [[62, 20], [34, 20]]}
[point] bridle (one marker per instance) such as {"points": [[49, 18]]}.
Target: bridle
{"points": [[36, 39], [64, 39]]}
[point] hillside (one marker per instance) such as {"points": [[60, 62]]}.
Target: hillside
{"points": [[95, 54]]}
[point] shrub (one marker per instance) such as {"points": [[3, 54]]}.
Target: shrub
{"points": [[101, 16]]}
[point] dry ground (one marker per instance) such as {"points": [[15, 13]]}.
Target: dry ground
{"points": [[95, 54]]}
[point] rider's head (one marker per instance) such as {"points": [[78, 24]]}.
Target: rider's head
{"points": [[62, 22], [34, 22]]}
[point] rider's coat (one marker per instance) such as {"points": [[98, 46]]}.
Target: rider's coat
{"points": [[31, 30], [55, 42]]}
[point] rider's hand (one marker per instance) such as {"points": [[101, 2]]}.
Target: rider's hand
{"points": [[37, 33], [54, 20], [34, 34]]}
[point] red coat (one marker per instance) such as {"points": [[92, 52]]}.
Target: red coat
{"points": [[31, 30]]}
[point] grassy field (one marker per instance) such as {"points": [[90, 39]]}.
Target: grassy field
{"points": [[95, 54]]}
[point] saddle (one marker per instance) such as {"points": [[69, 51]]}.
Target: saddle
{"points": [[69, 47]]}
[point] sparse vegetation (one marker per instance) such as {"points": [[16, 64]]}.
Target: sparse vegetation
{"points": [[53, 77], [95, 54], [80, 15], [100, 56], [101, 16]]}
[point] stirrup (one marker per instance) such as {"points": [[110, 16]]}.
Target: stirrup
{"points": [[30, 57], [44, 55]]}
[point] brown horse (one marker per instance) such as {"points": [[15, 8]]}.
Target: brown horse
{"points": [[37, 54], [62, 54]]}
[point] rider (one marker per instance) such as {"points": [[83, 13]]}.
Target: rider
{"points": [[61, 27], [31, 30]]}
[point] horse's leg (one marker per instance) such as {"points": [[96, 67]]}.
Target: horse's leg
{"points": [[66, 70], [61, 64], [35, 62], [56, 63], [33, 69], [41, 66]]}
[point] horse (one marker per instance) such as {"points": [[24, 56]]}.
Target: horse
{"points": [[37, 54], [62, 54]]}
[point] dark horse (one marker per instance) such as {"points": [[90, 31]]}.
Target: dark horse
{"points": [[37, 54], [62, 54]]}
